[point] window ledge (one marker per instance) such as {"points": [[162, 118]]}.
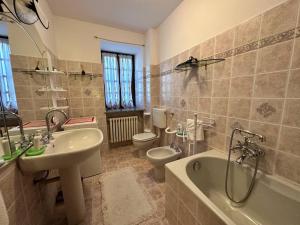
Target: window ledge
{"points": [[111, 111]]}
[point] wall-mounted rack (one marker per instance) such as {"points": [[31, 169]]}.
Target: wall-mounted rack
{"points": [[192, 63], [83, 73], [41, 72], [54, 107]]}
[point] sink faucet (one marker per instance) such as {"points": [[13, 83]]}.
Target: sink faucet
{"points": [[47, 118]]}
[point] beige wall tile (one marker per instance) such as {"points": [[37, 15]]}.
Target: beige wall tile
{"points": [[280, 18], [25, 104], [270, 85], [248, 32], [204, 89], [75, 92], [288, 166], [171, 200], [239, 108], [192, 104], [271, 132], [290, 140], [224, 41], [206, 216], [296, 56], [216, 140], [27, 115], [244, 64], [233, 123], [76, 112], [187, 197], [195, 52], [221, 88], [23, 91], [219, 106], [267, 162], [267, 110], [172, 180], [207, 48], [294, 84], [241, 87], [204, 105], [76, 103], [73, 66], [222, 69], [275, 57], [291, 113], [21, 78], [220, 126], [206, 73], [19, 62], [184, 215]]}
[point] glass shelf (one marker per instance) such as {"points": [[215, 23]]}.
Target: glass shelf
{"points": [[195, 63]]}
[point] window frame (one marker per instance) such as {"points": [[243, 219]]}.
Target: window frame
{"points": [[119, 73], [5, 76]]}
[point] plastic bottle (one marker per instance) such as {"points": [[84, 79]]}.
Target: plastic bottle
{"points": [[6, 146], [37, 139]]}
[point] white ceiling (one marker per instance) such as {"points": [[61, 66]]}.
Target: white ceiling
{"points": [[135, 15]]}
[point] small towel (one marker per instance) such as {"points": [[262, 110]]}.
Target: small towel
{"points": [[190, 130], [3, 212]]}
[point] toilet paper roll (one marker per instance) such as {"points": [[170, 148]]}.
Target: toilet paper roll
{"points": [[3, 212]]}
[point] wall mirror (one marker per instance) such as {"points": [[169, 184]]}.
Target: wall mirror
{"points": [[24, 58]]}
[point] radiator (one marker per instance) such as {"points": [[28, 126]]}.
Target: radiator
{"points": [[123, 128]]}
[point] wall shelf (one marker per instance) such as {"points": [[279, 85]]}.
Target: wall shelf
{"points": [[192, 63], [41, 72], [58, 107], [47, 89]]}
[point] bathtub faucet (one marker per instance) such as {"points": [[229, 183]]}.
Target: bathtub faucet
{"points": [[248, 149]]}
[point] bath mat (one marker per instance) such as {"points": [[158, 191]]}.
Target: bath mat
{"points": [[124, 200]]}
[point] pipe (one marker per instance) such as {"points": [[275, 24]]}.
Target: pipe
{"points": [[121, 42]]}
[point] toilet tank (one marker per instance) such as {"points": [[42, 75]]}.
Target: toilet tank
{"points": [[159, 117]]}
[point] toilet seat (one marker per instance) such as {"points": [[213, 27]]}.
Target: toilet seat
{"points": [[144, 137]]}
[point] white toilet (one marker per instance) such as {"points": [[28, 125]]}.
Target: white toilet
{"points": [[161, 156], [144, 141]]}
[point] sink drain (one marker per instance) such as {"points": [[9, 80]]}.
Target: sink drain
{"points": [[196, 166]]}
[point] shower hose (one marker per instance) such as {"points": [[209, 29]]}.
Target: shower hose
{"points": [[227, 174]]}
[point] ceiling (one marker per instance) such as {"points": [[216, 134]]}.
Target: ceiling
{"points": [[135, 15]]}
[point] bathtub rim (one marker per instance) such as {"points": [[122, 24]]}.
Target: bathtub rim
{"points": [[178, 169]]}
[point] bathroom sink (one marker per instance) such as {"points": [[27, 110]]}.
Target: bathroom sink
{"points": [[68, 148], [65, 153]]}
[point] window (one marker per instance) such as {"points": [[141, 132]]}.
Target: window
{"points": [[118, 80], [8, 94]]}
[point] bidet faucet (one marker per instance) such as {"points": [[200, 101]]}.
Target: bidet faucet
{"points": [[176, 147]]}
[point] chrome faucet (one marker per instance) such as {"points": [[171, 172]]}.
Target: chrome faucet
{"points": [[48, 135], [249, 149], [176, 147]]}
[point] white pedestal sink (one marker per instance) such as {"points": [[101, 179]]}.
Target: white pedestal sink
{"points": [[66, 152]]}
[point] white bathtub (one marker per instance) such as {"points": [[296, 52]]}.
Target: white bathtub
{"points": [[272, 201]]}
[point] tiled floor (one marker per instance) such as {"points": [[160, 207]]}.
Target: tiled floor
{"points": [[116, 159]]}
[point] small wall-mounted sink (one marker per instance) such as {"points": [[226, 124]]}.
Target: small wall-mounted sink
{"points": [[68, 150]]}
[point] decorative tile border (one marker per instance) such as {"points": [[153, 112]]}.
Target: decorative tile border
{"points": [[268, 41], [246, 48], [297, 32], [277, 38]]}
